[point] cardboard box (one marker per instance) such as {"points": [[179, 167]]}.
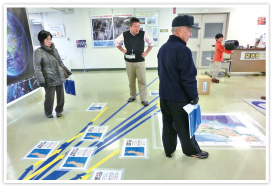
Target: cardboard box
{"points": [[203, 84]]}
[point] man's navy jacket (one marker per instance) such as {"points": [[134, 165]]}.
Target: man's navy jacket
{"points": [[177, 72]]}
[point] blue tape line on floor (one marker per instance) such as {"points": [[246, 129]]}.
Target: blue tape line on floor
{"points": [[62, 147], [113, 114], [49, 168], [126, 126], [123, 122], [57, 174], [124, 105], [98, 150], [24, 174]]}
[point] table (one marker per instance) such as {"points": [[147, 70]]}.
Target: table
{"points": [[226, 64]]}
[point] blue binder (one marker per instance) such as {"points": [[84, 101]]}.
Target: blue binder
{"points": [[194, 112]]}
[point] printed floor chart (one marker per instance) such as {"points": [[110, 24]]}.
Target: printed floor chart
{"points": [[229, 129], [78, 159], [258, 104]]}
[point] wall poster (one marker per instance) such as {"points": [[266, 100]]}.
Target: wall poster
{"points": [[149, 24], [19, 46], [121, 23], [106, 28], [57, 31], [20, 71], [102, 30]]}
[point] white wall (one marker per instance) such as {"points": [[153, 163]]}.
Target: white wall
{"points": [[242, 27]]}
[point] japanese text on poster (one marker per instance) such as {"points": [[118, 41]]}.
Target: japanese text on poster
{"points": [[95, 133], [107, 175], [42, 150], [134, 148], [78, 158]]}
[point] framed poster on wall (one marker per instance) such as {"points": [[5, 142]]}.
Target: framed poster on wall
{"points": [[149, 24], [121, 23], [102, 30], [57, 31]]}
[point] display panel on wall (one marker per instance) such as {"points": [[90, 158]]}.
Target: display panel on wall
{"points": [[121, 23], [106, 28], [102, 30], [19, 46], [149, 24]]}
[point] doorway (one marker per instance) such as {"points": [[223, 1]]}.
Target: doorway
{"points": [[203, 40]]}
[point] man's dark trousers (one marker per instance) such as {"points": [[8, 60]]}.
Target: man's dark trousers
{"points": [[175, 122]]}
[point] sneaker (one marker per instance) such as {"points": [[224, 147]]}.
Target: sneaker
{"points": [[170, 156], [145, 103], [49, 116], [215, 80], [59, 114], [131, 99], [201, 155]]}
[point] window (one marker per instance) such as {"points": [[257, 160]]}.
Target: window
{"points": [[211, 29], [204, 61]]}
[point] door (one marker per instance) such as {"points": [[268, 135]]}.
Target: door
{"points": [[194, 41], [211, 25], [202, 40]]}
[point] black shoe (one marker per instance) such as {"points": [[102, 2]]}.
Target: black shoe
{"points": [[170, 156], [201, 155], [49, 116], [59, 114], [131, 99], [145, 103]]}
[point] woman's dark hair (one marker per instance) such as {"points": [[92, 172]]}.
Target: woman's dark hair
{"points": [[134, 20], [219, 35], [42, 35]]}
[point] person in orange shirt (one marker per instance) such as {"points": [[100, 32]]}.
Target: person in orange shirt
{"points": [[218, 56]]}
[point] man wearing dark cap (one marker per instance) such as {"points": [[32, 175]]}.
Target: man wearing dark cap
{"points": [[177, 88]]}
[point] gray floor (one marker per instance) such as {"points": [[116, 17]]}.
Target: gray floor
{"points": [[27, 125]]}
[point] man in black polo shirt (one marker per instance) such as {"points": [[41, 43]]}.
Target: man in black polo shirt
{"points": [[134, 41], [177, 88]]}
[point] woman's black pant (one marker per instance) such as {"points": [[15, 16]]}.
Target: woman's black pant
{"points": [[49, 99]]}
